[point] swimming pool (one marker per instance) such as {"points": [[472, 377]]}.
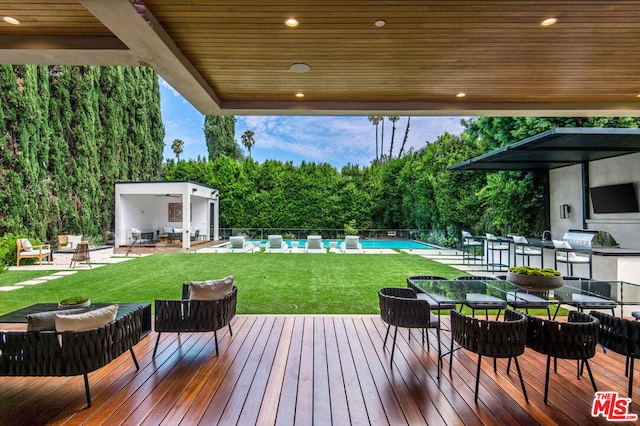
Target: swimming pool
{"points": [[366, 244]]}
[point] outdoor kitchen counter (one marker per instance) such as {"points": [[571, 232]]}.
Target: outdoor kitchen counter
{"points": [[609, 263], [615, 251]]}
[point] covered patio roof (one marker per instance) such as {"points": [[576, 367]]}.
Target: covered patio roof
{"points": [[363, 57], [559, 147]]}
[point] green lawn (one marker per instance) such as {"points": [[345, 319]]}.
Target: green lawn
{"points": [[267, 283]]}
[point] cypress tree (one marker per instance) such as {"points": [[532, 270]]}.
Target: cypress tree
{"points": [[219, 134], [67, 133]]}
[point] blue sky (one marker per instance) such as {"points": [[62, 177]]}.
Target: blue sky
{"points": [[321, 139]]}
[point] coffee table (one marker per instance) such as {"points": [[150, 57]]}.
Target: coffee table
{"points": [[20, 316]]}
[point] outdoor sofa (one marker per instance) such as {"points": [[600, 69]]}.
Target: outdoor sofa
{"points": [[69, 353]]}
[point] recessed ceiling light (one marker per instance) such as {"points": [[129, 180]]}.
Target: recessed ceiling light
{"points": [[548, 22], [461, 95], [299, 68], [299, 95], [380, 23], [10, 20], [291, 22]]}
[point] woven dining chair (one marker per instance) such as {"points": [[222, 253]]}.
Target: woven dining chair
{"points": [[575, 339], [621, 336], [495, 339], [400, 307]]}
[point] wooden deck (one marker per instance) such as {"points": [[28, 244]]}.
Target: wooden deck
{"points": [[308, 370]]}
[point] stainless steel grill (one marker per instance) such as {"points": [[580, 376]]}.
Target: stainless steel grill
{"points": [[584, 238]]}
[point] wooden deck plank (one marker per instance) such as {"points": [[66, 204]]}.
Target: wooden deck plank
{"points": [[288, 394], [418, 369], [233, 390], [256, 392], [309, 369], [231, 360], [339, 413], [416, 405], [321, 393], [269, 407], [304, 399], [372, 369], [352, 386]]}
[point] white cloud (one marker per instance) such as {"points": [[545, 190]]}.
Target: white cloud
{"points": [[336, 140]]}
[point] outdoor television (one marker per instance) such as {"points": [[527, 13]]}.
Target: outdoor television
{"points": [[614, 199]]}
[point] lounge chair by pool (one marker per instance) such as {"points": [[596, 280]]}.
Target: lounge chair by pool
{"points": [[351, 244], [314, 244], [239, 244], [275, 244]]}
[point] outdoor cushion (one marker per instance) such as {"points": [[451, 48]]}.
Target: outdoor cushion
{"points": [[167, 229], [26, 245], [177, 230], [32, 252], [74, 240], [45, 321], [86, 320], [561, 244], [212, 289]]}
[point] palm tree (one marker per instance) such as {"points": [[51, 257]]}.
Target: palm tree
{"points": [[382, 140], [406, 136], [393, 119], [248, 141], [177, 147], [375, 120]]}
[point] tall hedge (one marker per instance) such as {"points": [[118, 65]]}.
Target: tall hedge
{"points": [[67, 133]]}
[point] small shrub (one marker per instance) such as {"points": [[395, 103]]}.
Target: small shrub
{"points": [[531, 270], [350, 228], [75, 300]]}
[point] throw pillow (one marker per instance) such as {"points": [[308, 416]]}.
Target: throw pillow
{"points": [[45, 321], [177, 230], [212, 289], [167, 229], [26, 245], [86, 320]]}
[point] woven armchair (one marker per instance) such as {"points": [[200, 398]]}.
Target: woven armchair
{"points": [[575, 339], [399, 307], [194, 316], [621, 336], [495, 339]]}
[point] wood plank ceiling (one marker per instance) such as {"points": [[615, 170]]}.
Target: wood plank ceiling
{"points": [[235, 56]]}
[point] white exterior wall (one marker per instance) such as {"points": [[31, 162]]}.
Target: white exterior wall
{"points": [[565, 188], [145, 206]]}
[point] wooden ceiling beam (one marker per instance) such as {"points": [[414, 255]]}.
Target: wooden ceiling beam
{"points": [[143, 34], [65, 50]]}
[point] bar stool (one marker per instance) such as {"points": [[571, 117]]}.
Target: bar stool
{"points": [[521, 248], [469, 246], [493, 246], [566, 254]]}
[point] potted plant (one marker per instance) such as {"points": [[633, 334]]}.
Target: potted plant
{"points": [[74, 302], [534, 279]]}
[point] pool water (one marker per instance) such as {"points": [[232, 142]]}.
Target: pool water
{"points": [[366, 244]]}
